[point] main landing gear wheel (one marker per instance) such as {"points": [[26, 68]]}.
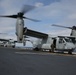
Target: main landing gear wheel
{"points": [[69, 52], [36, 49]]}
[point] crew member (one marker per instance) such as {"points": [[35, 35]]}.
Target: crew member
{"points": [[53, 45]]}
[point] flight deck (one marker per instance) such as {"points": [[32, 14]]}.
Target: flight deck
{"points": [[16, 61]]}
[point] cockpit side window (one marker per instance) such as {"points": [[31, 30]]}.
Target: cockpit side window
{"points": [[61, 40]]}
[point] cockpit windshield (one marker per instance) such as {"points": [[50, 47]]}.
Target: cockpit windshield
{"points": [[68, 39], [73, 39]]}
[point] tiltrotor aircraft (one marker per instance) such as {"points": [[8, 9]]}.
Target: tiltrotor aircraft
{"points": [[7, 42], [45, 41], [20, 22], [73, 32]]}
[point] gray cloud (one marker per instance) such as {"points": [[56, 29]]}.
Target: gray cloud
{"points": [[62, 12]]}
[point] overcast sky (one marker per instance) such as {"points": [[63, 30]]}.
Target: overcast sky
{"points": [[61, 12]]}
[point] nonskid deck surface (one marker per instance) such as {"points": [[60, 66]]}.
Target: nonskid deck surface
{"points": [[29, 50], [16, 61], [45, 52]]}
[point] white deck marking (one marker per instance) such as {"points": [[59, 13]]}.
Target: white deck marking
{"points": [[33, 53]]}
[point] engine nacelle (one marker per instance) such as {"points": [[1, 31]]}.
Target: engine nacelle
{"points": [[19, 30], [73, 33], [19, 39]]}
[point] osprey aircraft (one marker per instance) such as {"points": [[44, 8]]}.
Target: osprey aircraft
{"points": [[45, 41], [72, 34], [20, 22], [7, 42]]}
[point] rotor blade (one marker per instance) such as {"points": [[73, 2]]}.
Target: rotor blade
{"points": [[27, 8], [3, 33], [61, 26], [32, 19], [10, 16]]}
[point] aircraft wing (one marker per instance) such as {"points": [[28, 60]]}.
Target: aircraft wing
{"points": [[33, 33], [4, 40], [67, 36], [7, 40]]}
